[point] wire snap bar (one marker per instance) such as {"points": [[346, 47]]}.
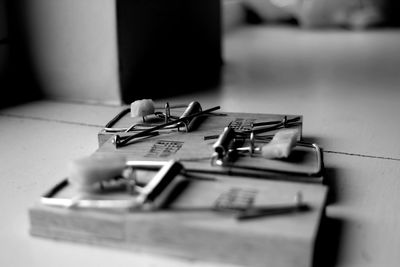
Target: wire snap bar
{"points": [[187, 120], [165, 116]]}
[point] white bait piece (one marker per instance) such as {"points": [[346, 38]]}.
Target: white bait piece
{"points": [[85, 173], [281, 144], [141, 108]]}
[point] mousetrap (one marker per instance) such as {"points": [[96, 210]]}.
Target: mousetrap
{"points": [[192, 183], [241, 221], [194, 148]]}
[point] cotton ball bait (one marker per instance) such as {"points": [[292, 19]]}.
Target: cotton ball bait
{"points": [[86, 172], [281, 144], [141, 108]]}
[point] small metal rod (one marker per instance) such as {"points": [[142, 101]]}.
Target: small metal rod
{"points": [[256, 212], [295, 119], [123, 140], [167, 112], [130, 128], [211, 137], [144, 126], [262, 129]]}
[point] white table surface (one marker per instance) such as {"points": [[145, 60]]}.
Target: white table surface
{"points": [[345, 84]]}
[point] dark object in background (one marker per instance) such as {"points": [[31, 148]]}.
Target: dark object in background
{"points": [[348, 14], [168, 47], [251, 16], [18, 80], [392, 9]]}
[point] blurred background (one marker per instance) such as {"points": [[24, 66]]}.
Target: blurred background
{"points": [[113, 52]]}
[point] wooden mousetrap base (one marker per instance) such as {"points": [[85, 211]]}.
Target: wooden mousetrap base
{"points": [[189, 228]]}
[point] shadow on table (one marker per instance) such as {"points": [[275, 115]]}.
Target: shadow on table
{"points": [[327, 243], [328, 239]]}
